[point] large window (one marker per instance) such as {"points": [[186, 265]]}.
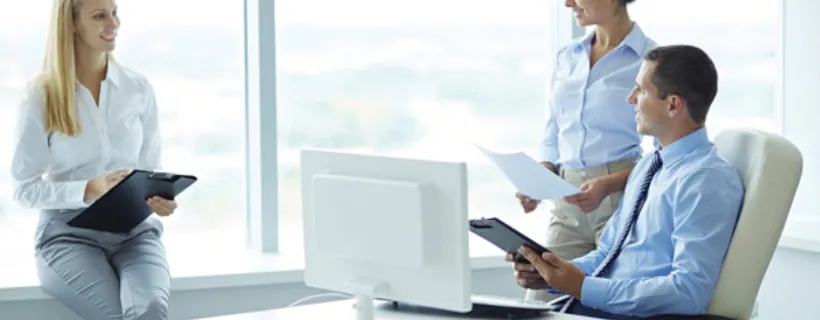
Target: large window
{"points": [[193, 55], [743, 47], [196, 64], [412, 78], [420, 78]]}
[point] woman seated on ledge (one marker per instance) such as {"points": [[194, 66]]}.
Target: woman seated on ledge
{"points": [[86, 121]]}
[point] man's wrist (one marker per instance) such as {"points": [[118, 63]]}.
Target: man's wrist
{"points": [[577, 294]]}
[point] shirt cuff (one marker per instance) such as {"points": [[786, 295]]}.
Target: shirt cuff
{"points": [[548, 155], [593, 292], [75, 192]]}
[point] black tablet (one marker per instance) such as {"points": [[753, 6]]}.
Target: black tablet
{"points": [[124, 206], [504, 237]]}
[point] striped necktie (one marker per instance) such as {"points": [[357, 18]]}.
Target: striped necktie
{"points": [[630, 223]]}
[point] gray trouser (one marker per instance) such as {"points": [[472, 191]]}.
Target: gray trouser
{"points": [[571, 232], [100, 275]]}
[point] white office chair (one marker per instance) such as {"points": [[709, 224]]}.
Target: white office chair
{"points": [[770, 167]]}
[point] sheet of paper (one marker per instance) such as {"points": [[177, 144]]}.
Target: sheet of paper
{"points": [[530, 177]]}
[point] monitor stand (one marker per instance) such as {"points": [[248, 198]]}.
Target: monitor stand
{"points": [[365, 291]]}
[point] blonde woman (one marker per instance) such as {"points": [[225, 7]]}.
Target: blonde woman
{"points": [[86, 121]]}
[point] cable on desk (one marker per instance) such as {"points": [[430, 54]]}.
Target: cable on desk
{"points": [[317, 296]]}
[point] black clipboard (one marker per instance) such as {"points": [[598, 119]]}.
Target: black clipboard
{"points": [[505, 237], [124, 207]]}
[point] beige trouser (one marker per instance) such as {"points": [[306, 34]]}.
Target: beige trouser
{"points": [[571, 232]]}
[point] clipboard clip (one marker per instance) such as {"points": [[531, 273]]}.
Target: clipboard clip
{"points": [[479, 225], [163, 176]]}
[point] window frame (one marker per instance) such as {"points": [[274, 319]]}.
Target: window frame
{"points": [[261, 145]]}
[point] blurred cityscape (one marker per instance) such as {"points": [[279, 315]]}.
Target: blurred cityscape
{"points": [[424, 79]]}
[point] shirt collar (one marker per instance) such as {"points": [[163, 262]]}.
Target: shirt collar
{"points": [[113, 73], [635, 40], [684, 146]]}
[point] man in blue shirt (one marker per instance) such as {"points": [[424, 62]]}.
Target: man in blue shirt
{"points": [[663, 249]]}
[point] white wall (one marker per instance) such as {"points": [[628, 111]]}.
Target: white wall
{"points": [[791, 288], [801, 85]]}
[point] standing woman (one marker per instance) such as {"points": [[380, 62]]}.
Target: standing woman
{"points": [[591, 137], [85, 122]]}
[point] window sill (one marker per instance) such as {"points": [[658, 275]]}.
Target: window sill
{"points": [[202, 270], [801, 233]]}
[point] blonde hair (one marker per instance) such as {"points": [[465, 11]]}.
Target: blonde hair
{"points": [[58, 78]]}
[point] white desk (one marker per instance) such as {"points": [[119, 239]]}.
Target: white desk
{"points": [[344, 310]]}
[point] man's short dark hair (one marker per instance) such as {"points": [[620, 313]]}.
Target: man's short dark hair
{"points": [[686, 71], [626, 2]]}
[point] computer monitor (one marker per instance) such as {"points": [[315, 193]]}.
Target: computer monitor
{"points": [[386, 228]]}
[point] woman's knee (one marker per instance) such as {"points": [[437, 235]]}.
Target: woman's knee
{"points": [[80, 279], [156, 308]]}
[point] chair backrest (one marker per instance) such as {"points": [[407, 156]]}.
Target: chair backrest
{"points": [[770, 167]]}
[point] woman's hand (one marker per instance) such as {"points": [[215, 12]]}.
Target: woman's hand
{"points": [[96, 188], [591, 195], [527, 203], [162, 206]]}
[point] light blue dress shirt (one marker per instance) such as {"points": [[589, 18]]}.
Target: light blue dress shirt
{"points": [[590, 122], [671, 261]]}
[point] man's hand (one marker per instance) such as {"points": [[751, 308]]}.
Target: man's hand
{"points": [[591, 195], [526, 276], [162, 206], [558, 273]]}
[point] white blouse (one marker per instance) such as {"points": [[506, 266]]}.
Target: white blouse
{"points": [[50, 171]]}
